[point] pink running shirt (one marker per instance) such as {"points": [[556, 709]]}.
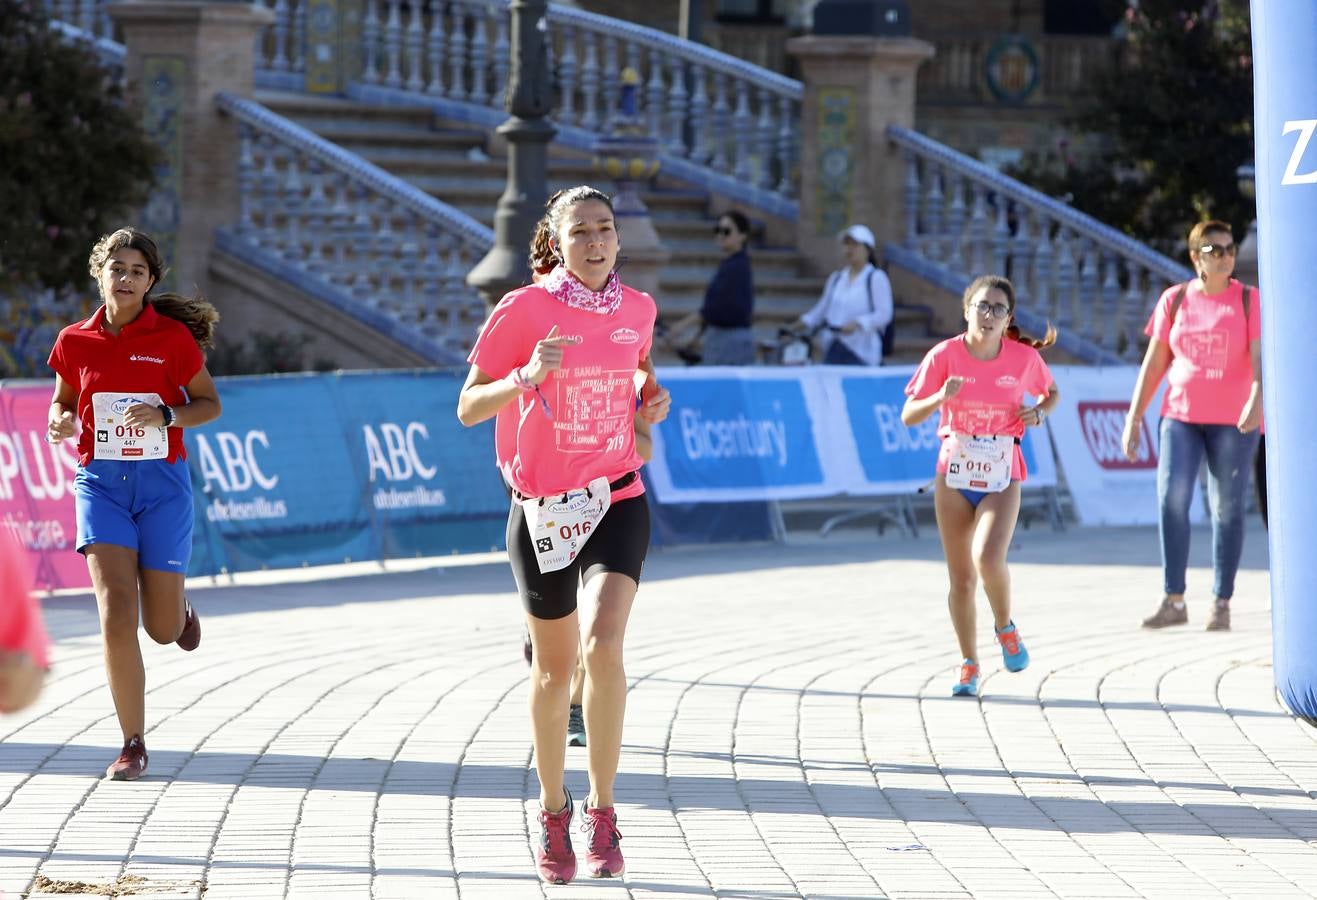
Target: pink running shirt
{"points": [[592, 398], [990, 398], [1211, 374], [21, 629]]}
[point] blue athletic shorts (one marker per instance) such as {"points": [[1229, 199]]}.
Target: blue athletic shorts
{"points": [[974, 497], [145, 505]]}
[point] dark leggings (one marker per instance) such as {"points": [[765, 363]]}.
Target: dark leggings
{"points": [[619, 544]]}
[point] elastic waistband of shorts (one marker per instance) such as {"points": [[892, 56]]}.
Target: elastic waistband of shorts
{"points": [[617, 485]]}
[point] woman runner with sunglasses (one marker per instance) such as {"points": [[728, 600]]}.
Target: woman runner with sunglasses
{"points": [[980, 381], [1205, 336], [556, 365]]}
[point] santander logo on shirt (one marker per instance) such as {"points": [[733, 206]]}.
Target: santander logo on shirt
{"points": [[1103, 427], [625, 336], [151, 359]]}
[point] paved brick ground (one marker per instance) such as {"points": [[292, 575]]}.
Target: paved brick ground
{"points": [[355, 734]]}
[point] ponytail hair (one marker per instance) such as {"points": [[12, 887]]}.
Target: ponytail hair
{"points": [[544, 252], [1003, 284], [197, 313], [1048, 339]]}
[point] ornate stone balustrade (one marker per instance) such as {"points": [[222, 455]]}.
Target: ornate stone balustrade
{"points": [[355, 235], [964, 218]]}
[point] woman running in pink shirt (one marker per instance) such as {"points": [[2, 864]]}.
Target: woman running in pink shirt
{"points": [[24, 647], [980, 381], [555, 365]]}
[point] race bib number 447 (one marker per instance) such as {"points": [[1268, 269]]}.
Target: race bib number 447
{"points": [[115, 440]]}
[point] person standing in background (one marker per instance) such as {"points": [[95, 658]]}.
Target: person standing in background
{"points": [[1205, 338], [726, 318], [856, 306]]}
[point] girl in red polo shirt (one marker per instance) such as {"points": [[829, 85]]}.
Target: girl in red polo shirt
{"points": [[556, 364], [134, 376]]}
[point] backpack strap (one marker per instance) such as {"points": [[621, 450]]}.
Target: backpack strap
{"points": [[828, 288], [869, 285], [1179, 299]]}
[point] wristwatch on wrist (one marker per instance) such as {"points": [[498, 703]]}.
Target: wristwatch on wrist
{"points": [[168, 412]]}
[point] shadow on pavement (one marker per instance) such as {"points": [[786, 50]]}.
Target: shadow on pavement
{"points": [[697, 794]]}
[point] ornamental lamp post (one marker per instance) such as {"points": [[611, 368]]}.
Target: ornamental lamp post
{"points": [[528, 132]]}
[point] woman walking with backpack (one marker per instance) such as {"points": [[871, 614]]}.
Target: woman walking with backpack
{"points": [[1205, 338], [856, 306]]}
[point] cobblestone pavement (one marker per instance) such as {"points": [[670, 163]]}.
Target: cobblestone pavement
{"points": [[352, 733]]}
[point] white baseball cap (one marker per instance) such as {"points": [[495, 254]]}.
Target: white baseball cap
{"points": [[860, 234]]}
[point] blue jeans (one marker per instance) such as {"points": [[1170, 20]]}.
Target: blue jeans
{"points": [[1229, 467]]}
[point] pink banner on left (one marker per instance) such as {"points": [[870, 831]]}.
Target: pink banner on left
{"points": [[36, 487]]}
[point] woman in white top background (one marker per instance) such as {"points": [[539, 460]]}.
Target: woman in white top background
{"points": [[856, 304]]}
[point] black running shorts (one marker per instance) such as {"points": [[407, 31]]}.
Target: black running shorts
{"points": [[619, 544]]}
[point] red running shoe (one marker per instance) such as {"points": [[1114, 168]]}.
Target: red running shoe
{"points": [[603, 853], [554, 859], [131, 762], [190, 639]]}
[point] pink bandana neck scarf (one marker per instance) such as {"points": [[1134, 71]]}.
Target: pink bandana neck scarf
{"points": [[566, 287]]}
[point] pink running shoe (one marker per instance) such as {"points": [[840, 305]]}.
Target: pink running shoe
{"points": [[190, 638], [131, 763], [554, 859], [603, 852]]}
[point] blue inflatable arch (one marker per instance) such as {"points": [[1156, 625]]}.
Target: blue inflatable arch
{"points": [[1285, 134]]}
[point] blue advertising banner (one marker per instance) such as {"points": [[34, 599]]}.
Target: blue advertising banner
{"points": [[892, 458], [429, 481], [740, 434], [1285, 109], [316, 469]]}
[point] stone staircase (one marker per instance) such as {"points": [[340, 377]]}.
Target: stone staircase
{"points": [[460, 166]]}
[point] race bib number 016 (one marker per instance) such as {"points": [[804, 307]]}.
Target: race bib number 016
{"points": [[115, 440], [560, 525], [980, 463]]}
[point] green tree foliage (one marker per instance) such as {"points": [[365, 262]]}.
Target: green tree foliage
{"points": [[73, 155], [1166, 128]]}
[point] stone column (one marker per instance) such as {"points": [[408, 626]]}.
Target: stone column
{"points": [[179, 55], [628, 155], [528, 132], [854, 88]]}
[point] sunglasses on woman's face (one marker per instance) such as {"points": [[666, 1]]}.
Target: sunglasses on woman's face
{"points": [[996, 310], [723, 231], [1218, 250]]}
